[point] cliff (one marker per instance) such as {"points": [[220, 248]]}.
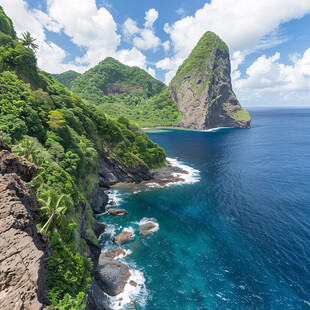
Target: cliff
{"points": [[202, 88], [22, 273]]}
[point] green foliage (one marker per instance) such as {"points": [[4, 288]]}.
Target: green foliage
{"points": [[66, 78], [6, 25], [121, 90], [197, 59], [66, 272], [70, 303], [241, 115]]}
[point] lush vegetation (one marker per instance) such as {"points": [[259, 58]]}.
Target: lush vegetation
{"points": [[197, 59], [66, 78], [53, 128], [120, 90]]}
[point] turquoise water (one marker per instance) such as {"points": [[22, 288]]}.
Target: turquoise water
{"points": [[240, 237]]}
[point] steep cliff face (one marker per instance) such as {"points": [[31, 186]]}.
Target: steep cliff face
{"points": [[22, 274], [202, 88]]}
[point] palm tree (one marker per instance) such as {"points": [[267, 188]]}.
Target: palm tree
{"points": [[54, 207], [28, 41], [29, 148]]}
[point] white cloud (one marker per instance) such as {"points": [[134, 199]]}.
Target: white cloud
{"points": [[181, 12], [87, 26], [151, 71], [93, 29], [131, 57], [150, 17], [130, 27], [166, 46], [243, 25], [145, 38], [268, 75]]}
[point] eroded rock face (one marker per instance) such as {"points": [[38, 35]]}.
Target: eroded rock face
{"points": [[11, 163], [22, 274], [112, 172], [112, 275], [202, 88], [98, 200]]}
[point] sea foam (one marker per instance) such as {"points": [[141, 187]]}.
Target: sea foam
{"points": [[191, 176]]}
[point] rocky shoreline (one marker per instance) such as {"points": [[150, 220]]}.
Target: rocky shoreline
{"points": [[112, 274]]}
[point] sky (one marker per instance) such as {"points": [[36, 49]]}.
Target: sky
{"points": [[269, 40]]}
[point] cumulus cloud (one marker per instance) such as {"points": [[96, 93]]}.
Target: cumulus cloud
{"points": [[87, 26], [267, 74], [150, 18], [243, 25], [143, 38], [151, 71]]}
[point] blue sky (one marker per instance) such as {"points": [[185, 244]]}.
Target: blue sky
{"points": [[269, 41]]}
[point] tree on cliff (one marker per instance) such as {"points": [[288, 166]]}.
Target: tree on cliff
{"points": [[54, 208], [28, 41]]}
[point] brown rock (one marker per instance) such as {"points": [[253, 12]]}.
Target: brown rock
{"points": [[11, 163], [147, 227], [111, 275], [122, 237], [112, 203], [4, 146], [133, 283], [114, 253], [22, 275], [117, 212]]}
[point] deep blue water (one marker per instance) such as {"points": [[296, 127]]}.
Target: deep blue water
{"points": [[239, 238]]}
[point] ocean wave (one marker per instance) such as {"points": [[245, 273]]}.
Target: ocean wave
{"points": [[191, 176], [114, 196]]}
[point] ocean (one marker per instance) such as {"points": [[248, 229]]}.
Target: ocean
{"points": [[236, 235]]}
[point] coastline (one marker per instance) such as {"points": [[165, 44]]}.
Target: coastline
{"points": [[159, 129], [134, 286]]}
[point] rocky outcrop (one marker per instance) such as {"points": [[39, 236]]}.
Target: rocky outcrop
{"points": [[11, 163], [202, 88], [147, 227], [98, 200], [118, 89], [123, 237], [114, 253], [22, 274], [99, 228], [112, 275], [111, 172], [115, 212]]}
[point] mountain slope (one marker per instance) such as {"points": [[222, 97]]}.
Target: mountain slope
{"points": [[202, 88], [120, 90], [66, 78]]}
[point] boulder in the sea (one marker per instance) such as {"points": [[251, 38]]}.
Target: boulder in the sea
{"points": [[111, 275], [133, 283], [114, 253], [147, 227], [112, 203], [122, 237], [117, 212]]}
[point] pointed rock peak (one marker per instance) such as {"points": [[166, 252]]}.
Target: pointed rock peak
{"points": [[202, 88]]}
